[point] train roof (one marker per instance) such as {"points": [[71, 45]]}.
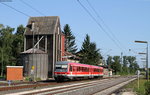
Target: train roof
{"points": [[79, 64], [63, 62]]}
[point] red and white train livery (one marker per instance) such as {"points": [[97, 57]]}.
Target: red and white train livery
{"points": [[70, 70]]}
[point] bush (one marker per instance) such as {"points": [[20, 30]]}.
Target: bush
{"points": [[27, 79], [2, 77], [38, 79], [147, 88]]}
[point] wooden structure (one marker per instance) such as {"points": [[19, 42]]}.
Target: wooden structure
{"points": [[47, 31]]}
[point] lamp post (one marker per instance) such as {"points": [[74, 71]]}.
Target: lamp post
{"points": [[147, 70]]}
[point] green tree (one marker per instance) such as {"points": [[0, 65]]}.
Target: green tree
{"points": [[133, 66], [18, 43], [125, 65], [129, 65], [6, 40], [11, 46], [89, 53], [116, 66], [70, 45], [109, 61]]}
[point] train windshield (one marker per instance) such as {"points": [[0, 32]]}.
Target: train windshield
{"points": [[61, 68]]}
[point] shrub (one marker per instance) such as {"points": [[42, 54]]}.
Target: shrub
{"points": [[147, 88], [27, 78]]}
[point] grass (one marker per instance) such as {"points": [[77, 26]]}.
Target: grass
{"points": [[134, 86]]}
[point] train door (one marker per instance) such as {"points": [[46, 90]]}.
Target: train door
{"points": [[74, 72], [91, 72], [70, 69]]}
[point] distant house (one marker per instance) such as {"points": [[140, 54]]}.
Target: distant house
{"points": [[47, 31], [70, 57]]}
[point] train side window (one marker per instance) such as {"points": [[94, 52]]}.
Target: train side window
{"points": [[83, 69], [74, 68], [77, 69], [87, 69], [80, 69], [96, 70]]}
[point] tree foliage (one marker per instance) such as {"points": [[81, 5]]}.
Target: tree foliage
{"points": [[70, 45], [11, 42], [6, 36], [18, 43], [116, 66], [133, 66], [109, 61], [89, 53], [129, 65]]}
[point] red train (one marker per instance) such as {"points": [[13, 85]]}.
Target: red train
{"points": [[70, 70]]}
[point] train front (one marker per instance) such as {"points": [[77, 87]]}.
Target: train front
{"points": [[61, 71]]}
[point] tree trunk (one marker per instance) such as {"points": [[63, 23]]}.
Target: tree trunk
{"points": [[2, 64]]}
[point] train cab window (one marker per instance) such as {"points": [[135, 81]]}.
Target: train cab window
{"points": [[61, 68]]}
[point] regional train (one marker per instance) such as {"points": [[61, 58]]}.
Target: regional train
{"points": [[69, 70]]}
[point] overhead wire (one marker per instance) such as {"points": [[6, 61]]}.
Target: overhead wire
{"points": [[106, 26], [101, 27], [15, 9], [32, 7]]}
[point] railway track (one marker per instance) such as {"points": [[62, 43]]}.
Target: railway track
{"points": [[75, 88], [21, 86]]}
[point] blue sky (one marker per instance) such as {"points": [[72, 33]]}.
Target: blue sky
{"points": [[128, 20]]}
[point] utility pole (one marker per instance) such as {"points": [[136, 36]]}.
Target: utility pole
{"points": [[147, 70], [147, 74], [32, 68]]}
